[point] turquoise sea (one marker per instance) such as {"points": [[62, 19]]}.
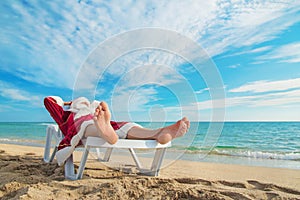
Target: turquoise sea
{"points": [[272, 144]]}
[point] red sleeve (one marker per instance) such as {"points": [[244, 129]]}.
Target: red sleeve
{"points": [[55, 110]]}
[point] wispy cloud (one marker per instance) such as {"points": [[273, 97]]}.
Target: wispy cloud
{"points": [[288, 53], [283, 93], [137, 88], [202, 91], [287, 98], [273, 99], [133, 100], [151, 74], [268, 86], [234, 66], [52, 45], [12, 93], [202, 110], [260, 49], [241, 24], [252, 51], [46, 42]]}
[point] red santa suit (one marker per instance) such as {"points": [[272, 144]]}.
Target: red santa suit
{"points": [[73, 122]]}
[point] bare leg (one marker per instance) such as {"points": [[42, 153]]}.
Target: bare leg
{"points": [[162, 135], [104, 130]]}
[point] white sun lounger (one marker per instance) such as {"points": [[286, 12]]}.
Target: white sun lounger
{"points": [[52, 131], [95, 142]]}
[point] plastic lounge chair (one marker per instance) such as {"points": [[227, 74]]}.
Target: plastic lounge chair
{"points": [[52, 131], [95, 142]]}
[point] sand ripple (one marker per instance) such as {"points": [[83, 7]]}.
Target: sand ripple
{"points": [[28, 177]]}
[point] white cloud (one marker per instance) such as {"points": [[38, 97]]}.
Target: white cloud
{"points": [[281, 96], [13, 93], [151, 74], [243, 23], [132, 100], [137, 88], [250, 108], [201, 91], [234, 66], [288, 53], [260, 49], [278, 95], [48, 47], [287, 98], [252, 51], [266, 100], [49, 41], [268, 86]]}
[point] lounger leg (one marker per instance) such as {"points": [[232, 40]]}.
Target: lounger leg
{"points": [[83, 162], [107, 154], [69, 168], [98, 154], [135, 158], [53, 154], [157, 161], [49, 134]]}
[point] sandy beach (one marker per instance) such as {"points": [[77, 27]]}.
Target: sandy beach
{"points": [[24, 175]]}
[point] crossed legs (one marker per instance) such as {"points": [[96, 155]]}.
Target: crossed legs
{"points": [[102, 128]]}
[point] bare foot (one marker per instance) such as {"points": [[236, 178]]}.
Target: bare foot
{"points": [[173, 131], [102, 118]]}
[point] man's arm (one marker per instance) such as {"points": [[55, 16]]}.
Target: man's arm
{"points": [[67, 103]]}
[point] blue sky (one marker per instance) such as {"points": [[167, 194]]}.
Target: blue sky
{"points": [[255, 45]]}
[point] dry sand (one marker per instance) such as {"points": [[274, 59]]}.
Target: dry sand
{"points": [[23, 175]]}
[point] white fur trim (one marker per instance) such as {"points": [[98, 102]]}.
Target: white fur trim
{"points": [[58, 100], [82, 107], [123, 131], [63, 154]]}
